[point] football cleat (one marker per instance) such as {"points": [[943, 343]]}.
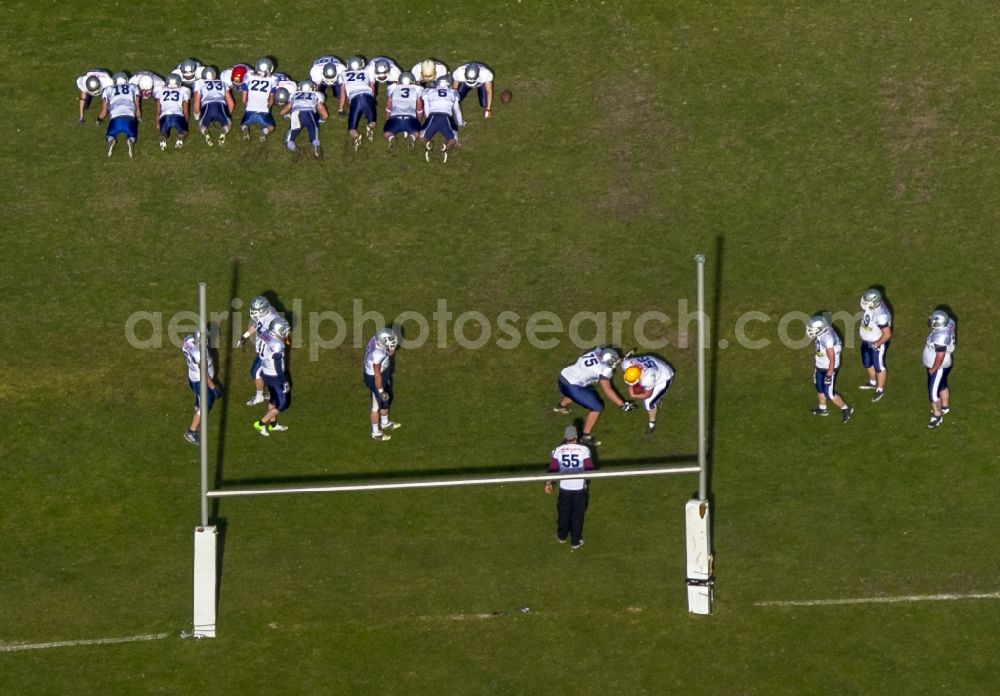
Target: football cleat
{"points": [[386, 338], [255, 399], [357, 143], [264, 66], [246, 133], [471, 74], [945, 410], [120, 78], [846, 413], [275, 428], [650, 427], [879, 393], [820, 411], [191, 437], [174, 80], [111, 146], [263, 137], [390, 144], [564, 410], [867, 386], [577, 545], [208, 139], [871, 298], [817, 326], [93, 85], [935, 422], [222, 138], [406, 78], [131, 148], [317, 152], [381, 437], [178, 144], [427, 152], [370, 132], [588, 439], [444, 152], [938, 319], [210, 73], [279, 327], [391, 425], [163, 145], [356, 63], [261, 428], [632, 374]]}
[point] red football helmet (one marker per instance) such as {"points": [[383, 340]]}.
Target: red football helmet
{"points": [[239, 74]]}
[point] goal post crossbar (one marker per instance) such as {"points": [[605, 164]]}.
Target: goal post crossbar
{"points": [[448, 483]]}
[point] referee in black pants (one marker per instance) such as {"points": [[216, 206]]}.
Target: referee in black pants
{"points": [[571, 506]]}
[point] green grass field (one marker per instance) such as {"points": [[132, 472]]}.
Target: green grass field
{"points": [[821, 148]]}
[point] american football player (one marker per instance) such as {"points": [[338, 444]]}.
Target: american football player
{"points": [[428, 71], [306, 109], [827, 358], [378, 367], [261, 316], [405, 109], [648, 379], [575, 384], [148, 83], [476, 76], [192, 356], [876, 331], [258, 96], [441, 105], [213, 104], [325, 76], [190, 70], [271, 351], [937, 359], [172, 110], [233, 77], [121, 100], [91, 84], [384, 71], [357, 86]]}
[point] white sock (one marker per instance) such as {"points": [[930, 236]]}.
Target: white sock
{"points": [[375, 429]]}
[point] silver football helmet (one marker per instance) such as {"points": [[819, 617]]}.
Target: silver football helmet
{"points": [[259, 307], [120, 78], [406, 78], [871, 299], [93, 85], [610, 357], [329, 73], [188, 68], [264, 66], [209, 73], [442, 82], [472, 74], [281, 96], [817, 326], [938, 319], [307, 86], [387, 338], [174, 80], [279, 327], [356, 63], [381, 70]]}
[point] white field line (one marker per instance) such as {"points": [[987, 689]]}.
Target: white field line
{"points": [[878, 600], [13, 647]]}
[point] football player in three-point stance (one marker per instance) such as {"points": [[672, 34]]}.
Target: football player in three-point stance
{"points": [[213, 103], [441, 105], [148, 83], [357, 86], [475, 75], [937, 359], [428, 71], [306, 109], [121, 100], [378, 378], [648, 379], [91, 84], [404, 108], [597, 365], [172, 110], [271, 351], [192, 355], [190, 71], [261, 316], [875, 331], [258, 89], [325, 76], [827, 358]]}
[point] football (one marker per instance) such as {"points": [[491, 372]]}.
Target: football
{"points": [[637, 391], [506, 96]]}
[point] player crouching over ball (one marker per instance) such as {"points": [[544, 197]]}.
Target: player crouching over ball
{"points": [[648, 379]]}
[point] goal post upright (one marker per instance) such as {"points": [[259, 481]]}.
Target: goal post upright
{"points": [[205, 537], [697, 512]]}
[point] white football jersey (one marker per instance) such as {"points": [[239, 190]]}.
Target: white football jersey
{"points": [[211, 91], [440, 70], [306, 101], [263, 324], [872, 321], [587, 369], [404, 99], [940, 338], [103, 75], [357, 82], [258, 89], [157, 80], [271, 350], [375, 353], [571, 459], [485, 74], [121, 100], [443, 100], [316, 71], [172, 100], [193, 357], [828, 339], [283, 80], [655, 373]]}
